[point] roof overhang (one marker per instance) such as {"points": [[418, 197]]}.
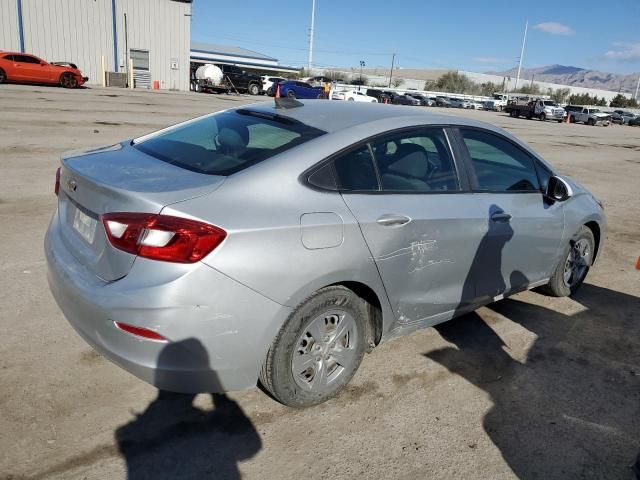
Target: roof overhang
{"points": [[208, 57]]}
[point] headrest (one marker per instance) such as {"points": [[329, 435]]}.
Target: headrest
{"points": [[414, 164]]}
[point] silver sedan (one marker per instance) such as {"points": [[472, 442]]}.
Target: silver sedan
{"points": [[279, 242]]}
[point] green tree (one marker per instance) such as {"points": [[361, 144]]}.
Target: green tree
{"points": [[559, 95], [619, 101], [452, 82], [397, 82]]}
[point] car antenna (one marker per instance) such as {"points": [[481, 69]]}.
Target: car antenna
{"points": [[286, 103]]}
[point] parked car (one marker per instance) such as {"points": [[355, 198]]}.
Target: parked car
{"points": [[382, 95], [247, 244], [423, 99], [353, 95], [210, 78], [297, 89], [476, 105], [402, 99], [268, 82], [621, 117], [23, 68], [443, 102], [588, 115], [634, 121], [459, 102]]}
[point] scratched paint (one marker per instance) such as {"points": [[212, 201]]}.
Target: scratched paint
{"points": [[420, 254]]}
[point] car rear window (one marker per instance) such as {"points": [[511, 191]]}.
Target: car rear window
{"points": [[227, 142]]}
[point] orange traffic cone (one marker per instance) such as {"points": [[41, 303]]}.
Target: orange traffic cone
{"points": [[568, 121], [638, 264], [278, 91]]}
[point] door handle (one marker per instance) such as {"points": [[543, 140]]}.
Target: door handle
{"points": [[500, 217], [391, 220]]}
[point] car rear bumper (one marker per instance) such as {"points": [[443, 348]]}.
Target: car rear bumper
{"points": [[218, 330]]}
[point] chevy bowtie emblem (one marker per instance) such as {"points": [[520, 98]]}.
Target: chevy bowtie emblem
{"points": [[72, 185]]}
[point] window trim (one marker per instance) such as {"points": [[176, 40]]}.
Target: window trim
{"points": [[458, 163], [473, 179]]}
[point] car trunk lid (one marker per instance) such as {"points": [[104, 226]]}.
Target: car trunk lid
{"points": [[118, 178]]}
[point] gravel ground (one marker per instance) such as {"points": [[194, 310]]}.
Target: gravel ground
{"points": [[530, 387]]}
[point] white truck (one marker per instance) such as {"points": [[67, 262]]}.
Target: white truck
{"points": [[591, 116], [540, 108]]}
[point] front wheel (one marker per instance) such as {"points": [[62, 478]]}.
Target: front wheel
{"points": [[574, 265], [67, 80], [543, 117], [591, 122], [318, 349], [3, 76], [351, 99], [254, 89]]}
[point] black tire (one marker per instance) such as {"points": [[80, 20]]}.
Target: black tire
{"points": [[558, 286], [591, 122], [254, 89], [572, 119], [3, 76], [67, 80], [277, 376], [543, 117], [351, 99], [560, 121], [291, 94]]}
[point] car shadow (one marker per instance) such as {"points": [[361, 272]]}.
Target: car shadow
{"points": [[571, 409], [172, 438]]}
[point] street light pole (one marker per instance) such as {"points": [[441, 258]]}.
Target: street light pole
{"points": [[362, 64], [313, 21], [393, 59], [524, 39], [637, 87]]}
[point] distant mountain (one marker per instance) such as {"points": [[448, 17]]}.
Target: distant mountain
{"points": [[576, 77]]}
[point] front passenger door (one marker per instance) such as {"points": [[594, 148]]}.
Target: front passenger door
{"points": [[523, 229]]}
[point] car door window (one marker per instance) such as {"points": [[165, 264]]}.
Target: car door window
{"points": [[499, 165], [355, 171], [416, 161], [25, 59]]}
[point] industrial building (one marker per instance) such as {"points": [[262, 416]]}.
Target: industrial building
{"points": [[202, 53], [154, 34]]}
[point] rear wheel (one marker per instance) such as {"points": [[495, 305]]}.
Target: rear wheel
{"points": [[3, 76], [351, 99], [291, 94], [574, 265], [543, 117], [67, 80], [318, 350], [591, 122]]}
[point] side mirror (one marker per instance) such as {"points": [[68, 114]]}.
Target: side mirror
{"points": [[559, 189], [42, 64]]}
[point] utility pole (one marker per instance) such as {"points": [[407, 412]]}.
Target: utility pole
{"points": [[313, 21], [362, 64], [393, 59], [637, 87], [524, 39]]}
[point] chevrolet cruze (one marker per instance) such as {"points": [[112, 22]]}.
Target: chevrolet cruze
{"points": [[279, 242]]}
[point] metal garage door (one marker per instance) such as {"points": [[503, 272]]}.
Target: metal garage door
{"points": [[141, 74]]}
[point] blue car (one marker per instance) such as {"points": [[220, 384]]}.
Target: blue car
{"points": [[295, 89]]}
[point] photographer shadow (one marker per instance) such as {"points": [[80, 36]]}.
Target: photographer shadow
{"points": [[172, 438]]}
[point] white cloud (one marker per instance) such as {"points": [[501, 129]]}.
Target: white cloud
{"points": [[624, 52], [554, 28], [489, 60]]}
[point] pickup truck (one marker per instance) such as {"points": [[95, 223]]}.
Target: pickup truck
{"points": [[227, 78], [539, 108], [588, 115]]}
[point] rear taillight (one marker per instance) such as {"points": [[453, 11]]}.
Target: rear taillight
{"points": [[162, 237], [56, 188]]}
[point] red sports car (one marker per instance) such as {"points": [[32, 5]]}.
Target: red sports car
{"points": [[20, 67]]}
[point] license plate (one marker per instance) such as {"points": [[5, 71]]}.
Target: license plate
{"points": [[84, 225]]}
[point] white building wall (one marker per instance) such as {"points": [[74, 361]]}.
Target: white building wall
{"points": [[77, 31], [81, 31], [163, 27], [9, 26]]}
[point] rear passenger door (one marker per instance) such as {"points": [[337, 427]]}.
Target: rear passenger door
{"points": [[405, 191], [523, 229]]}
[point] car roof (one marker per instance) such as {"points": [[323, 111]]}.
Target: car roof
{"points": [[332, 116]]}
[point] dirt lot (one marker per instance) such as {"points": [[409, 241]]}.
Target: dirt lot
{"points": [[531, 387]]}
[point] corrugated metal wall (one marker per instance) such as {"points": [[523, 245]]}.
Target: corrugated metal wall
{"points": [[81, 31], [78, 31], [9, 25], [162, 27]]}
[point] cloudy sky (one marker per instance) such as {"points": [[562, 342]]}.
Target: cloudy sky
{"points": [[469, 35]]}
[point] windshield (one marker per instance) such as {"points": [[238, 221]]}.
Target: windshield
{"points": [[594, 110], [549, 103], [227, 142]]}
